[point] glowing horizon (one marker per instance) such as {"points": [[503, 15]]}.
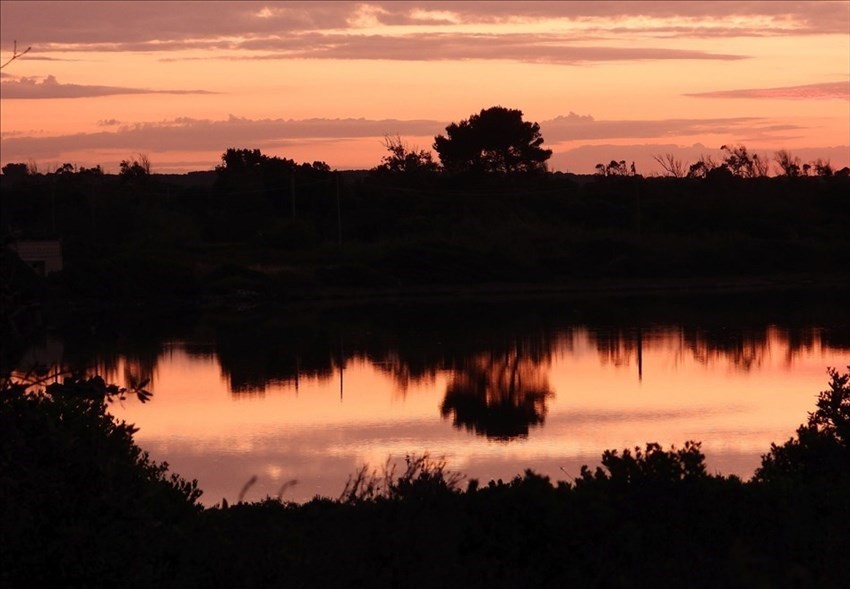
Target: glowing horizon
{"points": [[184, 81]]}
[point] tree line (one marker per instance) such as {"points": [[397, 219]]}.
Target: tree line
{"points": [[494, 141], [270, 225]]}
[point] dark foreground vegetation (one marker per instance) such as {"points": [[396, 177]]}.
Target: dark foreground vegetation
{"points": [[82, 506]]}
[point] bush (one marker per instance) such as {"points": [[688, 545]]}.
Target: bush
{"points": [[423, 478], [821, 450], [81, 503], [653, 467]]}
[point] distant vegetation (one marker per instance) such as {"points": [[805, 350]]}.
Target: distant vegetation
{"points": [[488, 214], [269, 225], [83, 506]]}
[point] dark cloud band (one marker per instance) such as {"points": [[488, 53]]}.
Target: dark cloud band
{"points": [[50, 87], [828, 90]]}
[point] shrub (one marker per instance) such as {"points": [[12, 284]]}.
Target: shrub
{"points": [[652, 467], [423, 478], [821, 450], [81, 503]]}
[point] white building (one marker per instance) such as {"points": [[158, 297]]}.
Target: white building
{"points": [[45, 257]]}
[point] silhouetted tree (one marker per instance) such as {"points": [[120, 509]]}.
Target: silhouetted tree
{"points": [[742, 164], [615, 168], [821, 449], [137, 168], [318, 166], [15, 171], [671, 165], [496, 140], [404, 159], [95, 171], [244, 162], [788, 164], [702, 167], [498, 396], [822, 168]]}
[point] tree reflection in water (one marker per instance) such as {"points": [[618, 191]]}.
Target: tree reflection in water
{"points": [[492, 352], [498, 395]]}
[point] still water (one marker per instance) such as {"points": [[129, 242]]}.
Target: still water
{"points": [[309, 394]]}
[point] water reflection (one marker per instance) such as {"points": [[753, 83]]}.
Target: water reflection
{"points": [[495, 353], [499, 395], [312, 393]]}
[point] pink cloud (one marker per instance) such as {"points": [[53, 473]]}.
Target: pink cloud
{"points": [[188, 134], [452, 46], [50, 87], [826, 90], [573, 127], [110, 25], [87, 23], [439, 46]]}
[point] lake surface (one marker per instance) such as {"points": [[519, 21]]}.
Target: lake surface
{"points": [[310, 393]]}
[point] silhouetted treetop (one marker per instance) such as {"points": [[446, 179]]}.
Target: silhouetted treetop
{"points": [[241, 165], [494, 140], [238, 162], [15, 170], [140, 167], [405, 159]]}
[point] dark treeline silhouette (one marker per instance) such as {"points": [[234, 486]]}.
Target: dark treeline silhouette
{"points": [[488, 214], [280, 229], [263, 226], [83, 506]]}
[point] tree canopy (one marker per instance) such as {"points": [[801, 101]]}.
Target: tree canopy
{"points": [[403, 159], [496, 140]]}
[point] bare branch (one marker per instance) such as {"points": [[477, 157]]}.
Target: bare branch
{"points": [[671, 165], [15, 54]]}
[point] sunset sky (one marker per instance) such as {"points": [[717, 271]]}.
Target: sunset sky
{"points": [[183, 81]]}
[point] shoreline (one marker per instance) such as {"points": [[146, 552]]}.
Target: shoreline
{"points": [[608, 288]]}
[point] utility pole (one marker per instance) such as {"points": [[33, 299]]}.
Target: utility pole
{"points": [[338, 211], [292, 192]]}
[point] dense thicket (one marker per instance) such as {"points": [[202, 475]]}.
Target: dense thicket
{"points": [[82, 506], [281, 228]]}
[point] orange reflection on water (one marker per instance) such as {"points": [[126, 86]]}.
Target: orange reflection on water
{"points": [[580, 396]]}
